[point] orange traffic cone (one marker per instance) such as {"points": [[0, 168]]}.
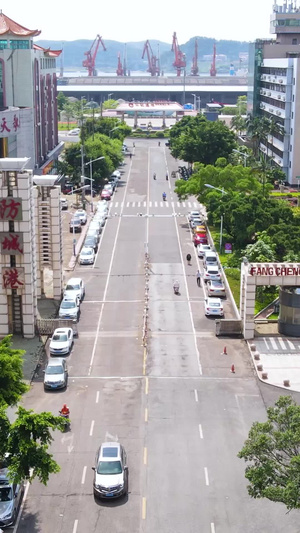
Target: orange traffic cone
{"points": [[232, 369], [225, 350]]}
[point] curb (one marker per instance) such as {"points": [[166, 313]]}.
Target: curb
{"points": [[73, 260]]}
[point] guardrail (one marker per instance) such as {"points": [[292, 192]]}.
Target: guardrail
{"points": [[46, 326]]}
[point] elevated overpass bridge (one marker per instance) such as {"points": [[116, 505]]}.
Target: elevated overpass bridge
{"points": [[223, 89]]}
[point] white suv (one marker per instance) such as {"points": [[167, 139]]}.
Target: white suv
{"points": [[75, 287], [111, 471]]}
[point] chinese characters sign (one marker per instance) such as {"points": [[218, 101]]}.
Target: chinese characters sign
{"points": [[9, 123], [11, 243], [10, 208], [13, 278]]}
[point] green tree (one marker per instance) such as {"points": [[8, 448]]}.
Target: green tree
{"points": [[238, 123], [25, 444], [12, 385], [61, 100], [273, 451], [242, 105], [199, 140], [259, 252]]}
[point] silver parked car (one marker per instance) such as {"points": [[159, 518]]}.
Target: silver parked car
{"points": [[10, 498], [70, 308], [75, 287], [111, 471], [56, 374]]}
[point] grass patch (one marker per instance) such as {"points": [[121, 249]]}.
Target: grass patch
{"points": [[273, 316], [267, 299], [64, 126], [233, 276]]}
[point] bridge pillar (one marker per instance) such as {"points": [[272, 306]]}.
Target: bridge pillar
{"points": [[164, 119], [135, 125]]}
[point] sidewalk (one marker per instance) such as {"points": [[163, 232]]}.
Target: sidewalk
{"points": [[276, 359]]}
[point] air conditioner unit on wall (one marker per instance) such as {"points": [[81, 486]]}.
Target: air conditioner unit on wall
{"points": [[280, 81], [279, 97], [283, 98], [278, 113]]}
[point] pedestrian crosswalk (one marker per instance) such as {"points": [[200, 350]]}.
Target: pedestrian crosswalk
{"points": [[273, 345], [150, 204]]}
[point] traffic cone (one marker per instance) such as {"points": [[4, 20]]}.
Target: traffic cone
{"points": [[232, 369], [225, 351]]}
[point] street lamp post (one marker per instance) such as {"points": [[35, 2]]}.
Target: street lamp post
{"points": [[195, 101], [91, 177], [221, 224], [244, 155], [109, 95], [184, 75]]}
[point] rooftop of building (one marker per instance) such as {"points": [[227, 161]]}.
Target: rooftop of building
{"points": [[9, 26]]}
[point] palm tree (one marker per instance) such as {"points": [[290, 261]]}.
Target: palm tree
{"points": [[275, 128]]}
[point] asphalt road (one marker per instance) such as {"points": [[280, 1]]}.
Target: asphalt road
{"points": [[175, 406]]}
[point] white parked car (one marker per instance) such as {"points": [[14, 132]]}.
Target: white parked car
{"points": [[211, 272], [194, 222], [215, 288], [69, 308], [61, 341], [75, 131], [202, 248], [108, 188], [87, 256], [194, 214], [64, 204], [96, 224], [81, 214], [116, 174], [213, 306], [75, 288]]}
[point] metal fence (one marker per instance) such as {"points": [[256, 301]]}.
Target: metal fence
{"points": [[46, 326]]}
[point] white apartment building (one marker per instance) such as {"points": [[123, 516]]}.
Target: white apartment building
{"points": [[274, 87]]}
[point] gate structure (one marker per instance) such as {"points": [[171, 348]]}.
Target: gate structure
{"points": [[255, 274]]}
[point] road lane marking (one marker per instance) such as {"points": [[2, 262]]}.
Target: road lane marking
{"points": [[281, 342], [155, 204], [139, 204], [127, 205], [196, 395], [22, 505], [150, 204], [133, 204], [92, 427], [188, 299], [291, 345], [144, 507], [206, 476], [184, 378], [107, 279], [265, 340], [161, 204], [75, 526], [116, 204], [83, 475], [167, 204], [146, 386], [145, 203], [144, 361], [145, 456], [273, 343], [97, 396], [212, 527], [200, 431], [146, 415]]}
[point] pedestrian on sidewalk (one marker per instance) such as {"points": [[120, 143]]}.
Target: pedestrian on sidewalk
{"points": [[198, 278], [130, 155], [133, 145]]}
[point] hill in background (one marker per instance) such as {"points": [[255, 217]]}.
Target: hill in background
{"points": [[73, 53]]}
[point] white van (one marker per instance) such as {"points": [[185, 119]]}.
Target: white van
{"points": [[210, 259]]}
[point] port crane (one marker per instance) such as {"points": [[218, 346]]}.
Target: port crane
{"points": [[153, 61], [195, 69], [89, 62], [179, 62], [120, 70], [213, 70]]}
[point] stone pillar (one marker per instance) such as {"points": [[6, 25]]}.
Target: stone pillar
{"points": [[135, 124], [164, 119], [248, 291], [56, 249]]}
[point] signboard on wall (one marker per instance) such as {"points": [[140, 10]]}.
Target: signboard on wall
{"points": [[11, 243], [13, 278], [10, 123], [10, 208]]}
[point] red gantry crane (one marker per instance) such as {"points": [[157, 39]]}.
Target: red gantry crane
{"points": [[153, 61], [179, 62], [120, 70], [89, 62], [213, 70], [195, 69]]}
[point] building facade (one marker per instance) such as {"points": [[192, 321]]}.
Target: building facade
{"points": [[274, 88], [27, 83]]}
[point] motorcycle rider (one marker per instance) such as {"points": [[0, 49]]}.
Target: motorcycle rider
{"points": [[154, 175], [65, 411], [164, 196], [167, 176]]}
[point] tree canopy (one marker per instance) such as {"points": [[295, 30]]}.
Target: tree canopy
{"points": [[24, 444], [272, 452], [197, 139], [12, 385]]}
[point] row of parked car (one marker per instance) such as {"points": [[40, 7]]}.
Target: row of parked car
{"points": [[211, 272]]}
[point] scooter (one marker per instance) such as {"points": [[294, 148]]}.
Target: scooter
{"points": [[67, 421], [164, 196], [176, 289], [167, 177]]}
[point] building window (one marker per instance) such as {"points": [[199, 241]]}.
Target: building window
{"points": [[294, 41], [3, 44], [19, 45], [291, 131]]}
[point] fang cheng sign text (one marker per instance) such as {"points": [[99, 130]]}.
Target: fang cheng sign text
{"points": [[281, 269]]}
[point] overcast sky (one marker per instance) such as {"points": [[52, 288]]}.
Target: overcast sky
{"points": [[133, 20]]}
